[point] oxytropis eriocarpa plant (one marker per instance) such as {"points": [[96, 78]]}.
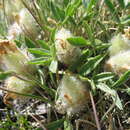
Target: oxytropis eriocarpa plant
{"points": [[119, 54], [73, 95], [66, 53], [14, 60]]}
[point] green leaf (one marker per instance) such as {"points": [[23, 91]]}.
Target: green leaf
{"points": [[41, 61], [4, 75], [39, 51], [78, 41], [55, 124], [90, 65], [53, 66], [43, 44], [112, 92], [122, 79], [18, 43], [29, 43], [103, 46], [103, 76], [54, 11]]}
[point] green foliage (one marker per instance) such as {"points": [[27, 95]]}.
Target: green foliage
{"points": [[103, 76], [78, 41], [91, 64], [122, 79], [39, 51], [43, 44]]}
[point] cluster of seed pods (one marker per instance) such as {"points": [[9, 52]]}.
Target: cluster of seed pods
{"points": [[14, 60], [119, 55]]}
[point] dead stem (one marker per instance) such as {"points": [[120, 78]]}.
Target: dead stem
{"points": [[121, 128], [126, 103], [94, 110]]}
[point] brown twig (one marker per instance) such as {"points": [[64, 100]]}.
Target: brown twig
{"points": [[94, 110], [121, 127]]}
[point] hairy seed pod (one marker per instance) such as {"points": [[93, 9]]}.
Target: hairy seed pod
{"points": [[19, 86], [20, 20], [13, 59], [27, 23], [23, 23], [119, 55], [66, 53], [119, 63], [119, 43], [73, 95]]}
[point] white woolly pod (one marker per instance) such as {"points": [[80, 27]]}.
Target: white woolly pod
{"points": [[23, 23], [119, 55], [19, 86], [119, 63], [66, 53], [27, 23], [119, 43], [13, 59], [73, 95], [20, 19]]}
